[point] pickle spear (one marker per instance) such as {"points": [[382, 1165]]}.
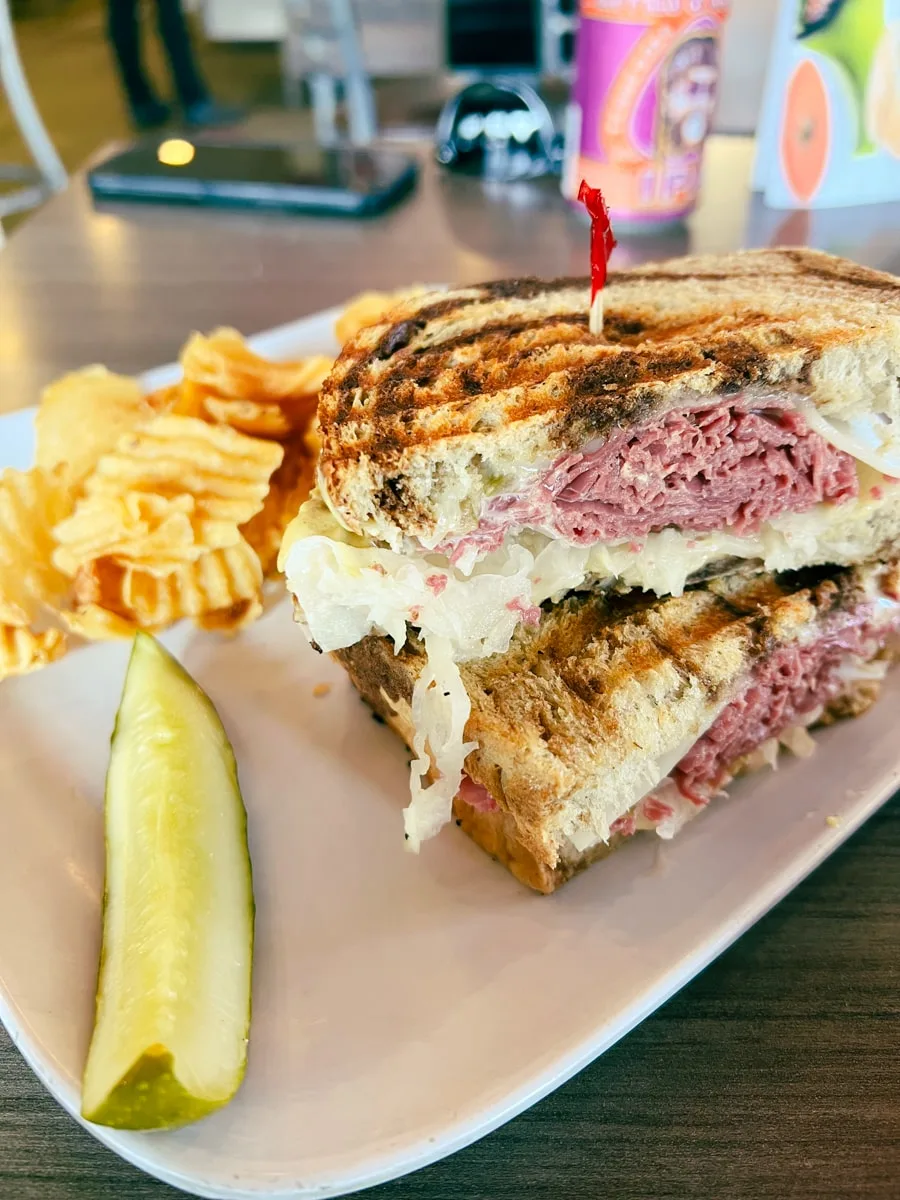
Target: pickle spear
{"points": [[173, 994]]}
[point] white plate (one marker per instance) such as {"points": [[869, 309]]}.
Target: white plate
{"points": [[402, 1006]]}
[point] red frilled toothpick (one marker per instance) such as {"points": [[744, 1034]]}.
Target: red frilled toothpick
{"points": [[602, 243]]}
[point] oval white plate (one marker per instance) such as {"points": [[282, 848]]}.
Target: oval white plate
{"points": [[402, 1006]]}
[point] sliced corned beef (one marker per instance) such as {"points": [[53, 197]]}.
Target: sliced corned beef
{"points": [[723, 466], [792, 682], [707, 468]]}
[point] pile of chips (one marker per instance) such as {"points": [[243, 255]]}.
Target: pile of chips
{"points": [[142, 508]]}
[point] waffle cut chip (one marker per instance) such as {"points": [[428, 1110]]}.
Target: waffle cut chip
{"points": [[257, 418], [31, 502], [113, 599], [97, 624], [163, 399], [290, 486], [84, 415], [155, 532], [223, 474], [227, 382], [224, 365], [368, 308], [22, 650]]}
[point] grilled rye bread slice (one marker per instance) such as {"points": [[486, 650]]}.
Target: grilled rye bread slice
{"points": [[443, 403], [583, 715]]}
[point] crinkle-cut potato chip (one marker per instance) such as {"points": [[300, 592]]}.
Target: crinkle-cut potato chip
{"points": [[226, 382], [152, 531], [368, 308], [31, 504], [289, 487], [164, 399], [224, 365], [253, 417], [231, 620], [150, 508], [223, 581], [99, 585], [188, 400], [83, 415], [216, 581], [22, 650], [96, 624], [226, 472]]}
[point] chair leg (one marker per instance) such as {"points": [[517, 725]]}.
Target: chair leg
{"points": [[291, 75], [323, 89], [24, 110]]}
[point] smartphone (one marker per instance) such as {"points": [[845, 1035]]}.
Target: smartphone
{"points": [[295, 177], [492, 35]]}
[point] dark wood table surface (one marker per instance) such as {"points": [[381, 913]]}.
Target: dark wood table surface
{"points": [[776, 1073]]}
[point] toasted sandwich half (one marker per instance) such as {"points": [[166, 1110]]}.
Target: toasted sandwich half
{"points": [[619, 714], [483, 453]]}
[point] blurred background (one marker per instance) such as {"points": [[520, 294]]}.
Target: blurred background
{"points": [[244, 52]]}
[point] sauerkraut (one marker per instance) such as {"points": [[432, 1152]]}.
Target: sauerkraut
{"points": [[347, 588]]}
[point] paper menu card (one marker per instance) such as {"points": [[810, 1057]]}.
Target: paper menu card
{"points": [[829, 132]]}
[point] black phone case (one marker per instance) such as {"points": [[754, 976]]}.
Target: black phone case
{"points": [[106, 183]]}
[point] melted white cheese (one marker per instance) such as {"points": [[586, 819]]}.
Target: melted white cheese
{"points": [[347, 588], [873, 439]]}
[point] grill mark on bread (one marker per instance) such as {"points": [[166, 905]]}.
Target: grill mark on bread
{"points": [[563, 690], [851, 273], [806, 265], [526, 365], [604, 394], [501, 289], [617, 327], [528, 287], [593, 397], [428, 362], [398, 337], [633, 640], [679, 631], [657, 276]]}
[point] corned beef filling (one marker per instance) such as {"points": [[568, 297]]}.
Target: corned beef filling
{"points": [[705, 469], [721, 466], [476, 796], [793, 682]]}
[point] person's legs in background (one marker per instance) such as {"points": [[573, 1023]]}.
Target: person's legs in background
{"points": [[123, 26], [147, 110], [193, 94]]}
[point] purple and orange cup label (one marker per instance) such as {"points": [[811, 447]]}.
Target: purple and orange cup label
{"points": [[646, 77]]}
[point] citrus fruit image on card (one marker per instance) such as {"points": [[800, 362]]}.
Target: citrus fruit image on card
{"points": [[829, 133]]}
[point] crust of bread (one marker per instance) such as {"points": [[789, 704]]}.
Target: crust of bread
{"points": [[567, 719], [436, 408], [495, 832]]}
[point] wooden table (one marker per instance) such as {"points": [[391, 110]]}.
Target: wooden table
{"points": [[775, 1074]]}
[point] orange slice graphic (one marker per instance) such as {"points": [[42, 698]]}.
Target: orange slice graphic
{"points": [[805, 132]]}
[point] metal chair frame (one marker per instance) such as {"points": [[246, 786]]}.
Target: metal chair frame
{"points": [[48, 175]]}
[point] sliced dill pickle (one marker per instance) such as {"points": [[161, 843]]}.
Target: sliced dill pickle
{"points": [[173, 994]]}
